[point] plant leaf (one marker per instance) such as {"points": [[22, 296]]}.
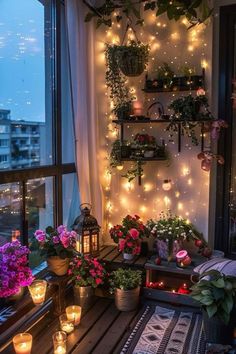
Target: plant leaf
{"points": [[211, 310]]}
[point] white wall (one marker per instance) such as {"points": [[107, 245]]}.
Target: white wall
{"points": [[189, 197]]}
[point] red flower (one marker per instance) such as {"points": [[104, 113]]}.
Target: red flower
{"points": [[134, 233], [98, 281]]}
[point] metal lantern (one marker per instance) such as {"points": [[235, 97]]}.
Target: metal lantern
{"points": [[87, 229]]}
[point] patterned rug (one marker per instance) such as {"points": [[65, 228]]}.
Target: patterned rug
{"points": [[166, 331]]}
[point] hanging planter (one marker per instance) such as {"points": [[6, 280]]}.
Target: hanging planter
{"points": [[133, 58]]}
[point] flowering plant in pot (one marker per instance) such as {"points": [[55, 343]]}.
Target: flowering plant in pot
{"points": [[14, 271], [87, 273], [146, 143], [125, 283], [57, 246], [216, 293], [128, 235], [170, 230]]}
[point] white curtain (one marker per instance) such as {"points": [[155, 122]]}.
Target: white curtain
{"points": [[81, 38]]}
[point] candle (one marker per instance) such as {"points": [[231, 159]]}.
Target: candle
{"points": [[74, 313], [38, 291], [59, 342], [137, 108], [66, 324], [22, 343]]}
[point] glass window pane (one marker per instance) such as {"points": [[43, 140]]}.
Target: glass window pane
{"points": [[68, 141], [39, 211], [10, 212], [71, 198], [26, 84]]}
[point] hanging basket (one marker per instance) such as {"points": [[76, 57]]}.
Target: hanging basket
{"points": [[133, 59]]}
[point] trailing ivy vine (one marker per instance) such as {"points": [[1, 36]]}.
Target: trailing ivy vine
{"points": [[196, 11]]}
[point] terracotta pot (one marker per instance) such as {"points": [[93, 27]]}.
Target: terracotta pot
{"points": [[127, 300], [58, 265], [163, 249], [83, 296], [128, 256]]}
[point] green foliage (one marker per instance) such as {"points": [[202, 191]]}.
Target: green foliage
{"points": [[166, 74], [217, 294], [136, 171], [115, 154], [125, 279], [190, 111], [173, 227], [115, 80], [196, 11]]}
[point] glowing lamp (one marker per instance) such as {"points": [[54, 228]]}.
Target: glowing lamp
{"points": [[87, 229], [73, 314], [166, 185], [119, 167], [137, 108]]}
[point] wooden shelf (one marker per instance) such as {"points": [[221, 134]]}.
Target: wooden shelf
{"points": [[143, 159], [155, 121], [173, 89]]}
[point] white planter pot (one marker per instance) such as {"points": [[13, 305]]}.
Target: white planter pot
{"points": [[128, 256], [149, 153]]}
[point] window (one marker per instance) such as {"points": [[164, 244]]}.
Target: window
{"points": [[38, 183]]}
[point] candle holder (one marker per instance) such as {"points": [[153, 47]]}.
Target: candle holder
{"points": [[73, 313], [66, 324], [22, 343], [59, 342], [38, 291]]}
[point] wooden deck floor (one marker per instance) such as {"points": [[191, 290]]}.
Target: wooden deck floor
{"points": [[103, 330]]}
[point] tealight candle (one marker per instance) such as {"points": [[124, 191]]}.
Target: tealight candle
{"points": [[38, 291], [59, 342], [74, 313], [66, 324], [22, 343]]}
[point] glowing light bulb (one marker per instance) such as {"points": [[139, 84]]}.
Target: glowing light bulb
{"points": [[119, 167], [166, 185]]}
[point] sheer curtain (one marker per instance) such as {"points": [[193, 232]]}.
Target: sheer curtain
{"points": [[82, 69]]}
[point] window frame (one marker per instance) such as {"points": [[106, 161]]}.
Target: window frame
{"points": [[58, 168]]}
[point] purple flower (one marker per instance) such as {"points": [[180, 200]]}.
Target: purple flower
{"points": [[40, 235], [61, 229], [65, 239], [56, 239]]}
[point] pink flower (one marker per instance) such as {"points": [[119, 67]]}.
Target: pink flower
{"points": [[122, 245], [61, 228], [56, 239], [134, 233], [93, 273], [65, 240], [98, 281], [40, 236]]}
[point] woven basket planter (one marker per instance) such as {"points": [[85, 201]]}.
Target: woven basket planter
{"points": [[58, 265], [127, 300]]}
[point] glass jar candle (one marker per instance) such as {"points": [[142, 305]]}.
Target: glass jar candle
{"points": [[22, 343], [59, 342], [66, 324], [73, 313], [38, 291]]}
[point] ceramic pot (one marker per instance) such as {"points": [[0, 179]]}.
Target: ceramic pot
{"points": [[127, 300], [149, 153], [128, 256], [58, 265], [83, 296]]}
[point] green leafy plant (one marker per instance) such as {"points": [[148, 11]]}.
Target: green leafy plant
{"points": [[115, 81], [196, 11], [125, 279], [190, 111], [187, 71], [217, 294], [136, 171], [165, 74]]}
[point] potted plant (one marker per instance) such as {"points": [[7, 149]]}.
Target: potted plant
{"points": [[87, 273], [165, 76], [146, 144], [170, 231], [125, 283], [57, 246], [119, 93], [132, 58], [216, 293], [15, 273], [128, 236]]}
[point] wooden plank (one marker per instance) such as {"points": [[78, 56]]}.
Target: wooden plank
{"points": [[45, 336], [129, 329], [109, 342], [111, 256], [87, 323], [106, 251], [88, 343], [141, 261]]}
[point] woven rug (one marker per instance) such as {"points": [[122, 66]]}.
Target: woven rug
{"points": [[166, 331]]}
